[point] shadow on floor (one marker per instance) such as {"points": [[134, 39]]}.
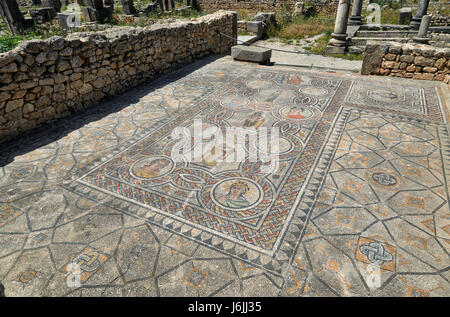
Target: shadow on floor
{"points": [[58, 128]]}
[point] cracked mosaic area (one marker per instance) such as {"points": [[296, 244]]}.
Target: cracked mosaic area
{"points": [[362, 184]]}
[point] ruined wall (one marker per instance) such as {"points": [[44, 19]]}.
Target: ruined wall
{"points": [[263, 5], [440, 20], [407, 60], [46, 79]]}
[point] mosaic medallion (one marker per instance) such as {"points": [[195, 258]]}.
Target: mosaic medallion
{"points": [[236, 194], [235, 103], [152, 167], [313, 91]]}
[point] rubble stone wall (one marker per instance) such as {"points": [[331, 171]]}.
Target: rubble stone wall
{"points": [[440, 20], [416, 61], [41, 80], [264, 5]]}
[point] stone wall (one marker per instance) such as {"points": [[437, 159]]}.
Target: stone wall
{"points": [[263, 5], [46, 79], [414, 61], [440, 20]]}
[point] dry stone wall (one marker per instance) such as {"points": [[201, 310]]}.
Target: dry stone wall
{"points": [[440, 20], [407, 60], [46, 79], [263, 5]]}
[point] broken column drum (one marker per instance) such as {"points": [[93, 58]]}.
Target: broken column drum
{"points": [[339, 36], [356, 18], [421, 11]]}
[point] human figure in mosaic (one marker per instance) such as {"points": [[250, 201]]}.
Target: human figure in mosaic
{"points": [[152, 169], [235, 198], [255, 120]]}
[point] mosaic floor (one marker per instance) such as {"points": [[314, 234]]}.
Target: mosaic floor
{"points": [[358, 206]]}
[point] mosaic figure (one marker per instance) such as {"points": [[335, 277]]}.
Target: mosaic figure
{"points": [[235, 198], [255, 120], [152, 168]]}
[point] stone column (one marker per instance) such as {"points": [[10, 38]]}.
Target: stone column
{"points": [[423, 30], [339, 42], [108, 3], [356, 18], [11, 15], [421, 11]]}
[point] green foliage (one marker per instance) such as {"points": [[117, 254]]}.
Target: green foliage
{"points": [[300, 27], [8, 42], [321, 45], [245, 15]]}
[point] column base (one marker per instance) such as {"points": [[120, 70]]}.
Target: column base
{"points": [[415, 23], [335, 49], [422, 40], [355, 20], [338, 40]]}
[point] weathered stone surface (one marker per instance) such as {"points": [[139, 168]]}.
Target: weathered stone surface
{"points": [[251, 54], [417, 62], [42, 15], [255, 27], [55, 4], [84, 68], [404, 16]]}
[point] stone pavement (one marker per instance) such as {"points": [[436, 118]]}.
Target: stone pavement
{"points": [[358, 206], [313, 61]]}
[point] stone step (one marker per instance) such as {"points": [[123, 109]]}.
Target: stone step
{"points": [[356, 49], [360, 41], [383, 27], [251, 54], [381, 34], [247, 39]]}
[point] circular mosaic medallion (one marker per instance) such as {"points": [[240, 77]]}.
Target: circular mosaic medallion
{"points": [[313, 91], [384, 179], [258, 84], [204, 128], [284, 145], [152, 167], [296, 113], [236, 193], [235, 196], [235, 103]]}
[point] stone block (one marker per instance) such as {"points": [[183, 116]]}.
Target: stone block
{"points": [[42, 15], [330, 49], [55, 4], [251, 54], [404, 16], [255, 27], [128, 7], [266, 17], [68, 20]]}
